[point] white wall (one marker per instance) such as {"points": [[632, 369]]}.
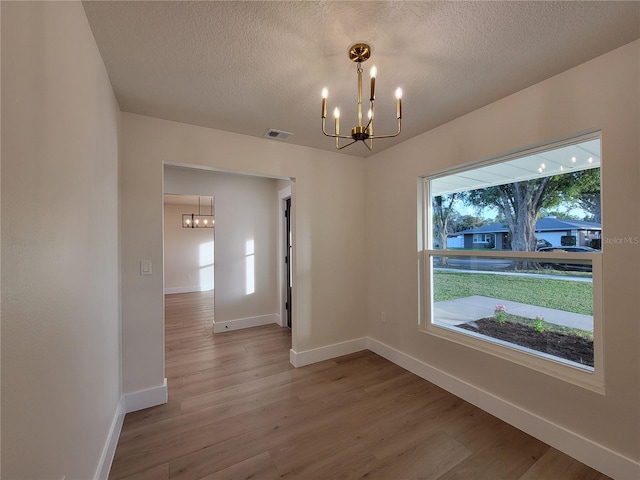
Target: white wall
{"points": [[246, 215], [328, 204], [60, 265], [601, 94], [188, 252]]}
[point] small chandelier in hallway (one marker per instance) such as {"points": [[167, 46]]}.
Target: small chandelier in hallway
{"points": [[193, 220]]}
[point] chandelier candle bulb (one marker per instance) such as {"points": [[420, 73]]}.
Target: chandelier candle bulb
{"points": [[325, 94], [399, 102], [374, 72]]}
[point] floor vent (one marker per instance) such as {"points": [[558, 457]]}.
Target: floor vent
{"points": [[277, 134]]}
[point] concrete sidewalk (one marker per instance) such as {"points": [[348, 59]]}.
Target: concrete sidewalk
{"points": [[467, 309]]}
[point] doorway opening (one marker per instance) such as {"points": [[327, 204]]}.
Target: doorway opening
{"points": [[288, 264], [189, 250], [252, 288]]}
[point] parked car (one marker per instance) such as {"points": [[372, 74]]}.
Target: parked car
{"points": [[580, 267], [542, 243]]}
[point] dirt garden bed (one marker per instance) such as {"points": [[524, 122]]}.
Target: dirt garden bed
{"points": [[563, 345]]}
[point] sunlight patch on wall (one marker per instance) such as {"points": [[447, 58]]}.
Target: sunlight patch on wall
{"points": [[206, 266], [250, 286]]}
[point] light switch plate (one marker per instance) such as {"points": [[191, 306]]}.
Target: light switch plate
{"points": [[145, 267]]}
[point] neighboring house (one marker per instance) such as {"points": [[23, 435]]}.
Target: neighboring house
{"points": [[551, 229], [455, 240]]}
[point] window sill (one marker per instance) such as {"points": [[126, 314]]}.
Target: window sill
{"points": [[565, 370]]}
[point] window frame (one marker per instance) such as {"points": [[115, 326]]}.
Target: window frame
{"points": [[591, 379], [486, 236]]}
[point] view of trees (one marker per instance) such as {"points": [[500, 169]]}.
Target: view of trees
{"points": [[519, 205], [442, 211]]}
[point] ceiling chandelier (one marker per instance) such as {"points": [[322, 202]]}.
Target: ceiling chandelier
{"points": [[193, 220], [360, 52]]}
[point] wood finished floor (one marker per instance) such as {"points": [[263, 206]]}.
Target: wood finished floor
{"points": [[238, 410]]}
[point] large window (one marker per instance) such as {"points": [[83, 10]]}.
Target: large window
{"points": [[512, 263]]}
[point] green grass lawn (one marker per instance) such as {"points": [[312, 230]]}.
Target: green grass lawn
{"points": [[559, 294]]}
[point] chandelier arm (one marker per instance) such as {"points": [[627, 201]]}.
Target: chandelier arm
{"points": [[332, 135], [345, 145], [370, 124], [390, 135], [385, 136]]}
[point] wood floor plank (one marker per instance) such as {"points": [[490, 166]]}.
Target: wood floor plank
{"points": [[151, 415], [344, 460], [159, 472], [554, 461], [507, 456], [405, 427], [238, 410], [260, 467], [428, 459]]}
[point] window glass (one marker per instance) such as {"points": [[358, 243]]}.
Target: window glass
{"points": [[511, 250]]}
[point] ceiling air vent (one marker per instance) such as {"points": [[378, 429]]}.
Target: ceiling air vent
{"points": [[277, 134]]}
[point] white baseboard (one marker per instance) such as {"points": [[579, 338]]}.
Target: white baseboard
{"points": [[586, 451], [146, 398], [187, 289], [239, 323], [109, 449], [307, 357]]}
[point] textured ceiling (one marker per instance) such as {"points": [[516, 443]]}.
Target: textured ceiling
{"points": [[246, 67]]}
